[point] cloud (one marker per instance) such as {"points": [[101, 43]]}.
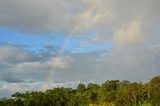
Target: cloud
{"points": [[144, 12], [128, 35], [130, 63], [19, 65], [8, 77], [36, 16], [14, 54]]}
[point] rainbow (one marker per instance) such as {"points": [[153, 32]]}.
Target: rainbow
{"points": [[89, 8]]}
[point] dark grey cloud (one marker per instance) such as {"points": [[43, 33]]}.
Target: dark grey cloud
{"points": [[36, 16], [8, 77], [14, 54], [19, 64], [70, 16]]}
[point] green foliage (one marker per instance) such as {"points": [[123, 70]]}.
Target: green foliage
{"points": [[81, 87], [110, 93]]}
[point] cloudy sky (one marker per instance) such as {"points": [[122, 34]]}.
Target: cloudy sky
{"points": [[48, 43]]}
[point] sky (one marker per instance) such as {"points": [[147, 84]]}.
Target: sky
{"points": [[51, 43]]}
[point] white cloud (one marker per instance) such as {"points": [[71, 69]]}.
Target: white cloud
{"points": [[129, 35]]}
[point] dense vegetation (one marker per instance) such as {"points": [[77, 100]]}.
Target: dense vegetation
{"points": [[110, 93]]}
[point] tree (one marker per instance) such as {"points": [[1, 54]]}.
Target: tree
{"points": [[113, 92], [93, 86], [81, 88]]}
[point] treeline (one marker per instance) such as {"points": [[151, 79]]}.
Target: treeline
{"points": [[110, 93]]}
